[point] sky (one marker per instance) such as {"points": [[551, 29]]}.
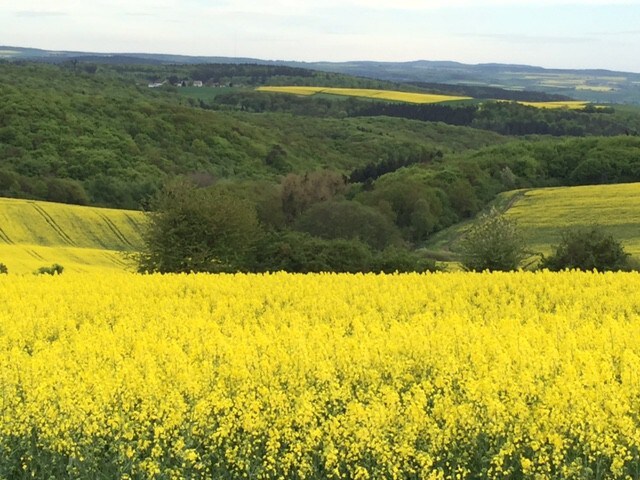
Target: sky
{"points": [[552, 34]]}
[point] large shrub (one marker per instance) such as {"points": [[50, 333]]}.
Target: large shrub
{"points": [[349, 220], [55, 269], [494, 242], [198, 230], [302, 253], [587, 248]]}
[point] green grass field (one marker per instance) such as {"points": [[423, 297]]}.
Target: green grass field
{"points": [[544, 213], [35, 234]]}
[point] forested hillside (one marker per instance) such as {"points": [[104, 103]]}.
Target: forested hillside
{"points": [[76, 135], [504, 117], [313, 171]]}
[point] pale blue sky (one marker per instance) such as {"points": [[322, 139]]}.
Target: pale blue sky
{"points": [[558, 34]]}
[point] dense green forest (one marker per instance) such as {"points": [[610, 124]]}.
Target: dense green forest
{"points": [[314, 170], [517, 82], [506, 118], [79, 137]]}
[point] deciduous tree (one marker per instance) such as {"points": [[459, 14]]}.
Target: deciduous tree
{"points": [[198, 230], [494, 242]]}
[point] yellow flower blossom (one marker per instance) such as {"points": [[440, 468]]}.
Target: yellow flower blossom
{"points": [[430, 376]]}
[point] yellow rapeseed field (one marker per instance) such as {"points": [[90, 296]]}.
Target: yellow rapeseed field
{"points": [[408, 97], [292, 89], [544, 213], [35, 234], [392, 95], [459, 375], [569, 104]]}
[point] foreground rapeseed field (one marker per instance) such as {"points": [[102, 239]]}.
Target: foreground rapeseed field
{"points": [[455, 375]]}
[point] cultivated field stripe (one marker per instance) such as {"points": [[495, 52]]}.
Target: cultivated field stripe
{"points": [[544, 213], [52, 223], [35, 254], [115, 230], [389, 95], [81, 238], [5, 238]]}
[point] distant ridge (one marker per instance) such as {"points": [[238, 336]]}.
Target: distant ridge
{"points": [[593, 85], [23, 53], [36, 54]]}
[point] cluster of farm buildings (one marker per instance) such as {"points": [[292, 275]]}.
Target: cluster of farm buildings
{"points": [[186, 83]]}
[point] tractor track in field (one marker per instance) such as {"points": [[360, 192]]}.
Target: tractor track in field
{"points": [[5, 238], [115, 230], [35, 255], [52, 223], [503, 209]]}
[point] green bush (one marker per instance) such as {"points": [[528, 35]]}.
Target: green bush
{"points": [[588, 248], [3, 268], [198, 230], [302, 253], [349, 220], [494, 242], [401, 260], [55, 269]]}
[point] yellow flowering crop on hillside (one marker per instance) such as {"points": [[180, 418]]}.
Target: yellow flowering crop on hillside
{"points": [[292, 89], [392, 95], [460, 375], [34, 234], [544, 213], [408, 97], [569, 104]]}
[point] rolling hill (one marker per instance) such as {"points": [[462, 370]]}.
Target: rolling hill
{"points": [[544, 213], [594, 85], [35, 234], [112, 142]]}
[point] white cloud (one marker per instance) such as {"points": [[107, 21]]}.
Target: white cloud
{"points": [[283, 8], [39, 13], [309, 5], [432, 4], [332, 29]]}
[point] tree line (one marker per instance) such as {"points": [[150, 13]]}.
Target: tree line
{"points": [[76, 137], [505, 117], [213, 230], [210, 229], [494, 242]]}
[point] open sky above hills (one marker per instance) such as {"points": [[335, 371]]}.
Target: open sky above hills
{"points": [[556, 34]]}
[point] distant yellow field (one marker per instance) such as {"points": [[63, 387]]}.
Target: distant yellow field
{"points": [[543, 213], [595, 88], [408, 97], [392, 95], [35, 234], [571, 105], [293, 90]]}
